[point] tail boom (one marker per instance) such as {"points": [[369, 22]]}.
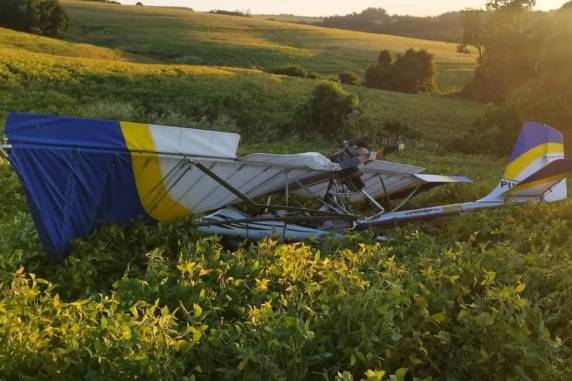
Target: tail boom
{"points": [[537, 172]]}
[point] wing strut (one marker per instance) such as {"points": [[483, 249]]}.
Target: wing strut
{"points": [[226, 185], [406, 199]]}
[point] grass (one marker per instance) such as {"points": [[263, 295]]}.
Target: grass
{"points": [[256, 102], [181, 36], [10, 39]]}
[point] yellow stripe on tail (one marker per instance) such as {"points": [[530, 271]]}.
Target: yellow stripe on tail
{"points": [[515, 169]]}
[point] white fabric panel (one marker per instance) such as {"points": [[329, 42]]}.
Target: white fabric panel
{"points": [[278, 182], [392, 183], [312, 160], [189, 141], [442, 179], [538, 191], [199, 193], [387, 167], [558, 192]]}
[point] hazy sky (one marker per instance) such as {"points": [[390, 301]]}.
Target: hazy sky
{"points": [[330, 7]]}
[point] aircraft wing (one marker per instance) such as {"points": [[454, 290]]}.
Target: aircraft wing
{"points": [[202, 184], [77, 173], [386, 179]]}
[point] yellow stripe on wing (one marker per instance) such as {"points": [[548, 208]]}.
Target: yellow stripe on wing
{"points": [[153, 194], [517, 166]]}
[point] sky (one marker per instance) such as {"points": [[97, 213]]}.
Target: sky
{"points": [[332, 7]]}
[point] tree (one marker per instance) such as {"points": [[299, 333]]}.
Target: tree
{"points": [[384, 58], [512, 42], [474, 29], [329, 108], [348, 78], [378, 76], [567, 5], [425, 74], [46, 17], [405, 73], [496, 5], [411, 72]]}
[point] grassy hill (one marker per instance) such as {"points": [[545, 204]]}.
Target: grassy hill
{"points": [[181, 36], [38, 77]]}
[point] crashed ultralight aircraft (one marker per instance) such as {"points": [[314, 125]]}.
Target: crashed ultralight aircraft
{"points": [[77, 173]]}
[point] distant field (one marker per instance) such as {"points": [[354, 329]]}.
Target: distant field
{"points": [[291, 18], [257, 102], [175, 35]]}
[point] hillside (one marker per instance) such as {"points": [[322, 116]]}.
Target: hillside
{"points": [[181, 36], [36, 78]]}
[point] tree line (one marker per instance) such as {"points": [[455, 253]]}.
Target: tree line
{"points": [[46, 17], [446, 27], [524, 67]]}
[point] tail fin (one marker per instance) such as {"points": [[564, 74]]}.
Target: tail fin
{"points": [[537, 169]]}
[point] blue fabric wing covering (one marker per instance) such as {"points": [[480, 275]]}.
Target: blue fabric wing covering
{"points": [[75, 173]]}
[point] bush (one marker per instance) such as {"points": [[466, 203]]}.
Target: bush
{"points": [[291, 71], [378, 76], [348, 78], [493, 133], [414, 72], [411, 72], [45, 17], [463, 49], [329, 109]]}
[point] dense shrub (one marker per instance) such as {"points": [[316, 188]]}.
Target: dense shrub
{"points": [[348, 78], [414, 72], [291, 71], [525, 61], [411, 72], [493, 133], [378, 76], [46, 17], [327, 112]]}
